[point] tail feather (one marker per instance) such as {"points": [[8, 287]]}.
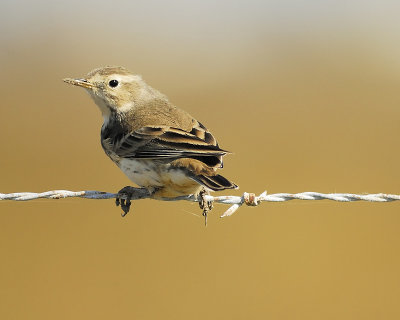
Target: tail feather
{"points": [[216, 183]]}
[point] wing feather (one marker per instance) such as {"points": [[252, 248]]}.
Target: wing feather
{"points": [[152, 142]]}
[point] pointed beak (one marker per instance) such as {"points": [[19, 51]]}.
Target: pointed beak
{"points": [[79, 82]]}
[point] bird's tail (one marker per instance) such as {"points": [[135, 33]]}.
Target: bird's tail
{"points": [[216, 183]]}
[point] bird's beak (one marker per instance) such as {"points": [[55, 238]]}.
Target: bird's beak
{"points": [[79, 82]]}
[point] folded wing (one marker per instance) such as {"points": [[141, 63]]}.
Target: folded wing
{"points": [[162, 142]]}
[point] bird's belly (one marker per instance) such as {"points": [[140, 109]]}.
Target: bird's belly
{"points": [[165, 180], [144, 173]]}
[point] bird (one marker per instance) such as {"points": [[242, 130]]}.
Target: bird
{"points": [[157, 145]]}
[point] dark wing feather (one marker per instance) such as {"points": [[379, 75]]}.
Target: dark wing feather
{"points": [[170, 143], [216, 183]]}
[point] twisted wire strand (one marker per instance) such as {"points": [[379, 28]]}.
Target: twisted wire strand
{"points": [[236, 202]]}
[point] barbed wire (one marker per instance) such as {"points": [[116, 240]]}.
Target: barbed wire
{"points": [[236, 202]]}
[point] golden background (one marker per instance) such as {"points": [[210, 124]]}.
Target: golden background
{"points": [[306, 95]]}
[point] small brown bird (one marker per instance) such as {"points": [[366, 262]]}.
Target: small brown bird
{"points": [[157, 145]]}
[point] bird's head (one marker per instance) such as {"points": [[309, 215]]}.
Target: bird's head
{"points": [[114, 89]]}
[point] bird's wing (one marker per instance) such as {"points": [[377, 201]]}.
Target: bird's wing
{"points": [[163, 142]]}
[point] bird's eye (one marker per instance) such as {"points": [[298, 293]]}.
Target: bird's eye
{"points": [[113, 83]]}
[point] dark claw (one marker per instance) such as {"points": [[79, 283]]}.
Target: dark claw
{"points": [[201, 203], [123, 199], [125, 207], [206, 206]]}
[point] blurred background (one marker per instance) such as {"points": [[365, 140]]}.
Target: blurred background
{"points": [[306, 95]]}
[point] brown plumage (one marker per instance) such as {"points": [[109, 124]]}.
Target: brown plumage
{"points": [[157, 145]]}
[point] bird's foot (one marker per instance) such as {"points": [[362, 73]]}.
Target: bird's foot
{"points": [[205, 205], [124, 199]]}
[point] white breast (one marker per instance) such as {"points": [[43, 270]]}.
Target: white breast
{"points": [[146, 173], [142, 172]]}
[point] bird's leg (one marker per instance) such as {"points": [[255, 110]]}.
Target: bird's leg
{"points": [[124, 199], [205, 205]]}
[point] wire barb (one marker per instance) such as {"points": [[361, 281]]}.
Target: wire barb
{"points": [[236, 202]]}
